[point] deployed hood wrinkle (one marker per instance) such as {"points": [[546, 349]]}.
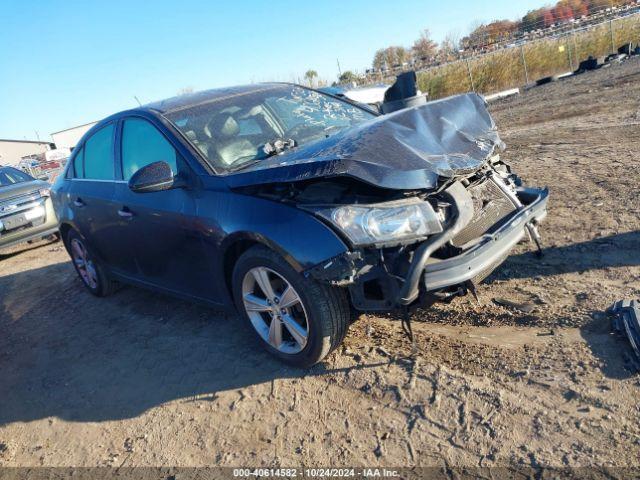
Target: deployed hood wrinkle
{"points": [[407, 149]]}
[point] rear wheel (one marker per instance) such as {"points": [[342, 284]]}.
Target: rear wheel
{"points": [[89, 270], [298, 320]]}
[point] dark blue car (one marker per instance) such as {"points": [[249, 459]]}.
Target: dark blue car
{"points": [[295, 208]]}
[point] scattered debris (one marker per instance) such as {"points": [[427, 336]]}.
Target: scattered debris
{"points": [[626, 320], [615, 57], [627, 49], [545, 80], [591, 63], [504, 94], [128, 445], [522, 307]]}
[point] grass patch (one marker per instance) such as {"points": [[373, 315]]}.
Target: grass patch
{"points": [[504, 69]]}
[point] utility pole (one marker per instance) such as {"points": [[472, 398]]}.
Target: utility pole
{"points": [[339, 71], [524, 64], [569, 56], [470, 76], [575, 45], [613, 43]]}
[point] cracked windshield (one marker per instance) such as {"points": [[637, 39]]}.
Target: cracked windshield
{"points": [[236, 131]]}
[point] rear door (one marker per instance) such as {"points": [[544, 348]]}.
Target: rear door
{"points": [[91, 190]]}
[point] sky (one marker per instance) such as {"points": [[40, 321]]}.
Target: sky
{"points": [[66, 63]]}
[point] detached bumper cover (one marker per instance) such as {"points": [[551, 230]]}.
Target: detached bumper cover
{"points": [[626, 320], [492, 248]]}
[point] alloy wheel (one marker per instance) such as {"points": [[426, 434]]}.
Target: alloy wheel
{"points": [[275, 310], [84, 264]]}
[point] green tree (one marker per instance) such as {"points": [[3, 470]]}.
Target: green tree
{"points": [[380, 59], [348, 77], [310, 75], [390, 56], [449, 47], [424, 47]]}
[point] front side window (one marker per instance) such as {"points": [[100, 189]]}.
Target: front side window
{"points": [[143, 144], [98, 155], [11, 176], [238, 130]]}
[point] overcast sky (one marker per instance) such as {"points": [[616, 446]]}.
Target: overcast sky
{"points": [[65, 63]]}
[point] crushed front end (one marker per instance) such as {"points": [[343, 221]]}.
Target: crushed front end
{"points": [[420, 197], [482, 216]]}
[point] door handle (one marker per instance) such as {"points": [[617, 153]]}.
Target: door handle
{"points": [[78, 202], [124, 212]]}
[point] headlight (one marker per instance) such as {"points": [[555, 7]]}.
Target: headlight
{"points": [[391, 222]]}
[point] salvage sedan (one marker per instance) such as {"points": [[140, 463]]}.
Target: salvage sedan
{"points": [[297, 209]]}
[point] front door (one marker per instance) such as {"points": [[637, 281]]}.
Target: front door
{"points": [[160, 228]]}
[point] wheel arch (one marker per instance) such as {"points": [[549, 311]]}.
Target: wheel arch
{"points": [[238, 243], [64, 230]]}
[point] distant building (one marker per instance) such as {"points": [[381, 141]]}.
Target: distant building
{"points": [[71, 136], [12, 151]]}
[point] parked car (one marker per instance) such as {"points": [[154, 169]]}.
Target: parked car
{"points": [[295, 208], [26, 211]]}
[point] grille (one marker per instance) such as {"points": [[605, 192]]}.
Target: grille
{"points": [[490, 205], [8, 206]]}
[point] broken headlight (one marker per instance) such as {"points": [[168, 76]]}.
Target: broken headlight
{"points": [[393, 222]]}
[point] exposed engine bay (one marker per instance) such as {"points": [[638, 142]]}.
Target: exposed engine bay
{"points": [[378, 275]]}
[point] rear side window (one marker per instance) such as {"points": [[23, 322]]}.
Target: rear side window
{"points": [[143, 144], [98, 155]]}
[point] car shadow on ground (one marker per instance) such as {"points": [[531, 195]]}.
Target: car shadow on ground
{"points": [[67, 354], [612, 251]]}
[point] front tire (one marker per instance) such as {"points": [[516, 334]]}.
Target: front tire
{"points": [[296, 319], [92, 274]]}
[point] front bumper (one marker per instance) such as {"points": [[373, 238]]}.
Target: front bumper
{"points": [[491, 249], [379, 282], [40, 227]]}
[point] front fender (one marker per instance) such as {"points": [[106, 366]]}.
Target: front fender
{"points": [[302, 239]]}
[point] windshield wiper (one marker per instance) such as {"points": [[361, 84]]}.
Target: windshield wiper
{"points": [[243, 165], [277, 146], [269, 149]]}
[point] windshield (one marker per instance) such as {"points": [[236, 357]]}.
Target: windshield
{"points": [[11, 176], [235, 131]]}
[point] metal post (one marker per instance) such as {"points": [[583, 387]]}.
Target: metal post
{"points": [[613, 43], [473, 88], [524, 64], [575, 46]]}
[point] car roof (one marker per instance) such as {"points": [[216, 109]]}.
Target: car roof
{"points": [[183, 102]]}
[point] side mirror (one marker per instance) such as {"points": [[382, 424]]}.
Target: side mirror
{"points": [[155, 177]]}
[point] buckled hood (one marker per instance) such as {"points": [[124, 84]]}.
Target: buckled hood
{"points": [[408, 149]]}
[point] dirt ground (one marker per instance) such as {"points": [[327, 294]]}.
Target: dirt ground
{"points": [[140, 379]]}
